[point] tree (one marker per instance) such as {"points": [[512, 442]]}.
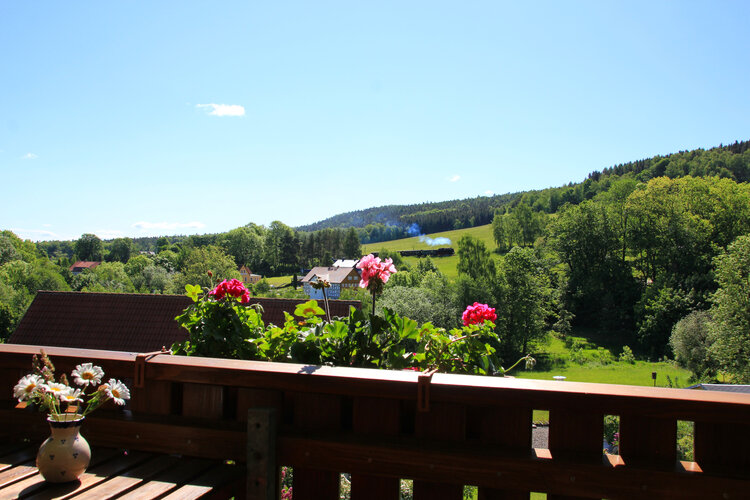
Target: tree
{"points": [[690, 342], [730, 330], [474, 259], [199, 261], [89, 247], [525, 303], [528, 221], [601, 289], [109, 277], [120, 250], [244, 244], [352, 247]]}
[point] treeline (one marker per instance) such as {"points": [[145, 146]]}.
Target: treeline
{"points": [[399, 221], [159, 265]]}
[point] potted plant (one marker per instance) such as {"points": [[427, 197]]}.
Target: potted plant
{"points": [[65, 455]]}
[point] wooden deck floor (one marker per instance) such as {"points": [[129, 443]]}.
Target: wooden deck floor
{"points": [[122, 474]]}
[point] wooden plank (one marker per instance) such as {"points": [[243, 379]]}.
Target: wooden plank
{"points": [[258, 398], [575, 436], [376, 417], [203, 400], [221, 481], [648, 441], [315, 412], [17, 456], [262, 469], [18, 472], [154, 398], [503, 429], [170, 479], [105, 463], [444, 422], [185, 436], [129, 479], [722, 449]]}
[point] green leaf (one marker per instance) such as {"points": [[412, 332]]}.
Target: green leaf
{"points": [[193, 291], [309, 309]]}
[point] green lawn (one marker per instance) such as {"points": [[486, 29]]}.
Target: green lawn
{"points": [[446, 265], [615, 373]]}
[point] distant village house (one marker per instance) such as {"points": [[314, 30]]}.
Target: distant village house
{"points": [[342, 275], [81, 265], [248, 277]]}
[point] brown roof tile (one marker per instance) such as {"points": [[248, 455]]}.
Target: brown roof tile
{"points": [[124, 322]]}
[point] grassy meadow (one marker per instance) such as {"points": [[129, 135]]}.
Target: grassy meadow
{"points": [[446, 265]]}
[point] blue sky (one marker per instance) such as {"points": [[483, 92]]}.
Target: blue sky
{"points": [[157, 118]]}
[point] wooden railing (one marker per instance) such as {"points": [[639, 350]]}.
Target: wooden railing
{"points": [[442, 432]]}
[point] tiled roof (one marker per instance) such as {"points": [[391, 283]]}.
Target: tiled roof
{"points": [[124, 322], [84, 264], [335, 274]]}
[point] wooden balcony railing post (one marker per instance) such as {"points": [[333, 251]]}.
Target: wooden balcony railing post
{"points": [[443, 422], [316, 412], [262, 469], [575, 436], [646, 441], [504, 428], [373, 417], [722, 448]]}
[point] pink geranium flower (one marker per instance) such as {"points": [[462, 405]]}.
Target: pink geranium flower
{"points": [[232, 288], [478, 313], [375, 272]]}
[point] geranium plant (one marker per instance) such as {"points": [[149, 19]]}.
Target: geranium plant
{"points": [[375, 274], [59, 398], [219, 322]]}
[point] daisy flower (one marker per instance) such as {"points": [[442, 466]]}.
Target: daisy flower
{"points": [[56, 389], [87, 374], [26, 387], [72, 396], [117, 391]]}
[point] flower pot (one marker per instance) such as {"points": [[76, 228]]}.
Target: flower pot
{"points": [[65, 455]]}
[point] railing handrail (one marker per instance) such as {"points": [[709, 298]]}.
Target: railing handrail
{"points": [[489, 391]]}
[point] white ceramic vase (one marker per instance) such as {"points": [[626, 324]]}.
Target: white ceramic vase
{"points": [[65, 455]]}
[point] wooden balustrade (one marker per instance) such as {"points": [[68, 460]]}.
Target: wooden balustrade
{"points": [[375, 426]]}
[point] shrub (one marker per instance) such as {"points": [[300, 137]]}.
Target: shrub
{"points": [[626, 355], [690, 343]]}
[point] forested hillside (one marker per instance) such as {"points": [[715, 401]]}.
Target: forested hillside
{"points": [[399, 221]]}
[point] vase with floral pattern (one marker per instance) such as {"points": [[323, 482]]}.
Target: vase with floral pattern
{"points": [[65, 455]]}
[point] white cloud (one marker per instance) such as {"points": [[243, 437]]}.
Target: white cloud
{"points": [[455, 178], [223, 109], [29, 156], [109, 234], [489, 193], [36, 234], [168, 226]]}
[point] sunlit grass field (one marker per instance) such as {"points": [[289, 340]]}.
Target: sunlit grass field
{"points": [[446, 265]]}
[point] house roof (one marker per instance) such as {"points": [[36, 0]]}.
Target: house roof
{"points": [[84, 264], [335, 274], [123, 321], [745, 389], [345, 263]]}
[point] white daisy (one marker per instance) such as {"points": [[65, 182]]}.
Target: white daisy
{"points": [[72, 396], [117, 391], [26, 387], [56, 389], [87, 374]]}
